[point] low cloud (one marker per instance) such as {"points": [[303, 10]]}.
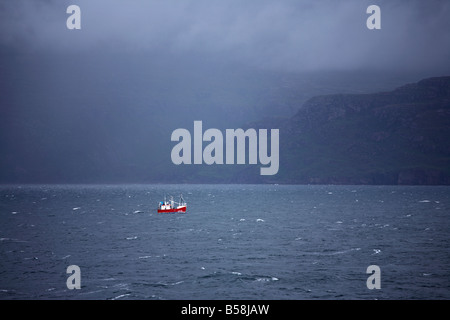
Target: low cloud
{"points": [[286, 34]]}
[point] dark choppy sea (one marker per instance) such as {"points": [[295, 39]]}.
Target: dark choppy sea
{"points": [[235, 242]]}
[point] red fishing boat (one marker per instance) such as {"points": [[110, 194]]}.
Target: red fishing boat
{"points": [[171, 206]]}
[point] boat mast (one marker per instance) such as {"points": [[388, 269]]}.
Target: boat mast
{"points": [[181, 200]]}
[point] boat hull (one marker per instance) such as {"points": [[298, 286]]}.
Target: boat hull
{"points": [[173, 210]]}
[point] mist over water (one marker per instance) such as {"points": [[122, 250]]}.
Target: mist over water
{"points": [[98, 104], [234, 242]]}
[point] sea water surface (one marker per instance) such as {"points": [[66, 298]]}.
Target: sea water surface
{"points": [[235, 242]]}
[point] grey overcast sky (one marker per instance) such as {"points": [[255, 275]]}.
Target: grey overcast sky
{"points": [[291, 35], [86, 105]]}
